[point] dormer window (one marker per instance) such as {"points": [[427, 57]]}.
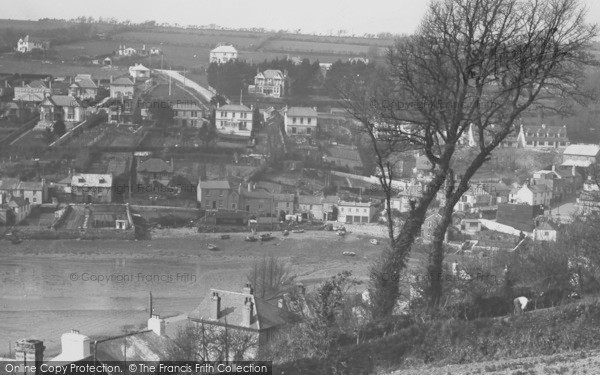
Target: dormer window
{"points": [[102, 180], [81, 180]]}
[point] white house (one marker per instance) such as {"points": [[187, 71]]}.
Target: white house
{"points": [[28, 44], [91, 188], [356, 212], [271, 82], [235, 119], [300, 120], [533, 195], [545, 232], [223, 53], [139, 71], [581, 155], [121, 88]]}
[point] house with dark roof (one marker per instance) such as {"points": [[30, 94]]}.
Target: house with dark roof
{"points": [[64, 108], [13, 210], [83, 87], [511, 140], [543, 136], [188, 114], [518, 216], [271, 82], [234, 119], [284, 203], [121, 88], [155, 169], [243, 317], [300, 120], [217, 195], [344, 156]]}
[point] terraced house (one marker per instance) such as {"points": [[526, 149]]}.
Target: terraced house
{"points": [[543, 136], [187, 114]]}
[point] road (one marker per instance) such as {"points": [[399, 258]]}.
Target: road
{"points": [[204, 92]]}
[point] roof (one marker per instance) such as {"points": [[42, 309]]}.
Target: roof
{"points": [[18, 202], [62, 101], [283, 197], [539, 188], [123, 81], [218, 184], [272, 73], [309, 199], [423, 163], [302, 112], [37, 84], [9, 183], [577, 163], [189, 105], [234, 107], [224, 49], [154, 165], [545, 130], [344, 153], [30, 185], [494, 187], [582, 150], [257, 194], [91, 180], [139, 67], [85, 83], [546, 226], [141, 346], [264, 314]]}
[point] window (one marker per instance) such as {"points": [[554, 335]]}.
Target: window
{"points": [[308, 121], [308, 130], [294, 120], [220, 203], [293, 130], [302, 120], [208, 193], [194, 114], [223, 114], [233, 206], [260, 206], [232, 114], [34, 199], [220, 193]]}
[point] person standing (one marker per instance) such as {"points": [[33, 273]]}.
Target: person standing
{"points": [[520, 304]]}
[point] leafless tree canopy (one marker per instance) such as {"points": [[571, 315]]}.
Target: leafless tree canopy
{"points": [[478, 63]]}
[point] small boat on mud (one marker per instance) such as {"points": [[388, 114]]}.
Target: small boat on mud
{"points": [[349, 253], [286, 232], [225, 236], [266, 237], [251, 239], [298, 231], [341, 232], [212, 247], [374, 241]]}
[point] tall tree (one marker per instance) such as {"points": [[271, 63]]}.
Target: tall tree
{"points": [[473, 65]]}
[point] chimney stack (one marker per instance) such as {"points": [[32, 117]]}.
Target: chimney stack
{"points": [[247, 313], [75, 346], [157, 325], [215, 310], [248, 289], [30, 352]]}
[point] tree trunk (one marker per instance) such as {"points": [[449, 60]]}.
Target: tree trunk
{"points": [[385, 272]]}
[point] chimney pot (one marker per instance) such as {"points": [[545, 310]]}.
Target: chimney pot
{"points": [[248, 289], [157, 325], [215, 306]]}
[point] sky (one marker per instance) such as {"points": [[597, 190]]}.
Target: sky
{"points": [[312, 16]]}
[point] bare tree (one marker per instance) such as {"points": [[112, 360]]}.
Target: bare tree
{"points": [[473, 65], [270, 276]]}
